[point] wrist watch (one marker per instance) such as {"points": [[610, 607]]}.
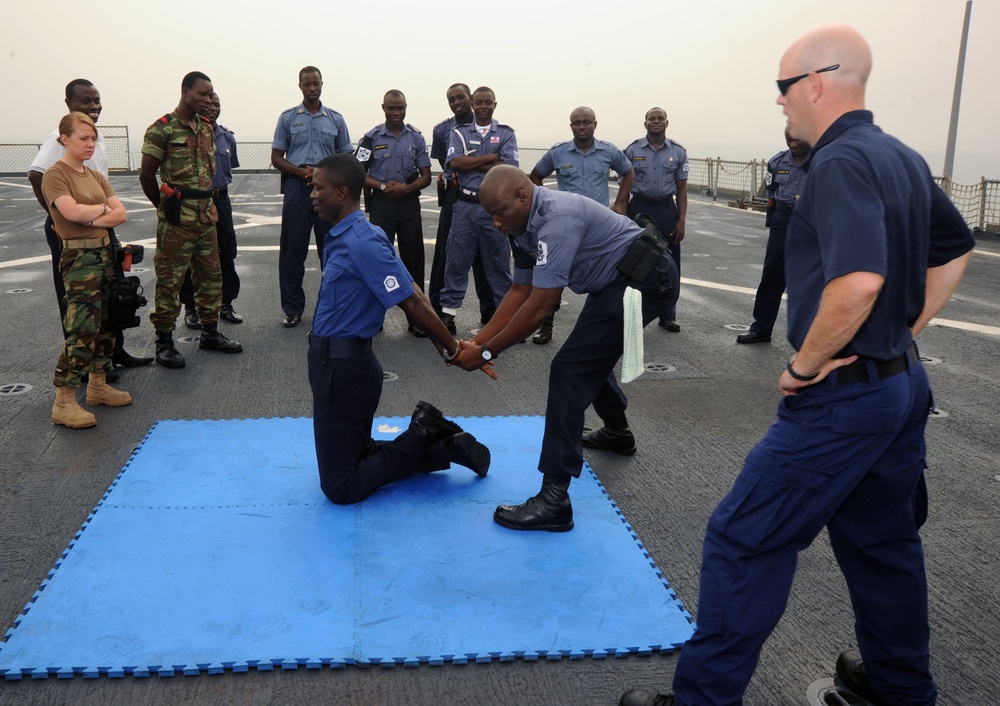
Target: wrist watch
{"points": [[382, 186], [485, 352]]}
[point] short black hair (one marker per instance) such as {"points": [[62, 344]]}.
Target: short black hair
{"points": [[345, 170], [71, 87], [394, 93], [468, 91], [485, 89], [309, 70], [192, 78]]}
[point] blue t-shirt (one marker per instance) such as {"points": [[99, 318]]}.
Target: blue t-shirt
{"points": [[362, 279], [869, 204], [571, 241], [584, 172]]}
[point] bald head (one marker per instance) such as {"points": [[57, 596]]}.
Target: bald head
{"points": [[506, 194], [826, 46], [824, 93], [502, 182]]}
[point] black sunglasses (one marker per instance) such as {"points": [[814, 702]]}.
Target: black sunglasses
{"points": [[785, 83]]}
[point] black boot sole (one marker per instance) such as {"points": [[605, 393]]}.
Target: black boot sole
{"points": [[171, 364], [464, 450]]}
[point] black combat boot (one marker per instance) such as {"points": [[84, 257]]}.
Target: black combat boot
{"points": [[166, 354], [428, 421], [549, 510], [212, 340]]}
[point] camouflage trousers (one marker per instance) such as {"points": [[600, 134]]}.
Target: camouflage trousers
{"points": [[177, 248], [88, 274]]}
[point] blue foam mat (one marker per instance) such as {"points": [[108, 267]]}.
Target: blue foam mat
{"points": [[215, 550]]}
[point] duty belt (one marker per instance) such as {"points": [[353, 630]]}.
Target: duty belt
{"points": [[784, 207], [866, 369], [653, 202], [86, 242], [221, 191], [469, 196], [193, 194], [339, 347]]}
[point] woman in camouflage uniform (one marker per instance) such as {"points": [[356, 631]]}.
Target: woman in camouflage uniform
{"points": [[83, 207]]}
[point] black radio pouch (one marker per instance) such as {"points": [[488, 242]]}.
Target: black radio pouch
{"points": [[643, 254]]}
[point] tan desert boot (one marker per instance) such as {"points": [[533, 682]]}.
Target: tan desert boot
{"points": [[100, 392], [68, 412]]}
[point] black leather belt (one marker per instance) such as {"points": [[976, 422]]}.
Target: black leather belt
{"points": [[339, 347], [221, 191], [784, 207], [860, 370], [193, 194], [468, 196], [653, 202]]}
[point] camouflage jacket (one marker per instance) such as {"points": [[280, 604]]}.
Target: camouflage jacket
{"points": [[187, 159]]}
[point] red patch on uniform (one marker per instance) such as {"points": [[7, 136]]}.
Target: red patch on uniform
{"points": [[494, 140]]}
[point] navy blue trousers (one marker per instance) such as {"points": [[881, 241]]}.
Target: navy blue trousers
{"points": [[402, 217], [487, 305], [472, 232], [297, 218], [849, 458], [772, 277], [665, 218], [582, 372]]}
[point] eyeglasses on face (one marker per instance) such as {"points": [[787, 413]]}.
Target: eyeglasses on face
{"points": [[785, 83]]}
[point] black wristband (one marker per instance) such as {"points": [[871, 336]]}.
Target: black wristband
{"points": [[801, 378]]}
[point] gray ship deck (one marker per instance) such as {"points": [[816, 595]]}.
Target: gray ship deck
{"points": [[694, 419]]}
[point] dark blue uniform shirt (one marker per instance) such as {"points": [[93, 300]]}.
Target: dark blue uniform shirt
{"points": [[225, 157], [869, 204], [391, 158], [784, 178], [362, 278]]}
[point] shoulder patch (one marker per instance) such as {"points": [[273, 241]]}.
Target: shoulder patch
{"points": [[165, 119], [391, 283]]}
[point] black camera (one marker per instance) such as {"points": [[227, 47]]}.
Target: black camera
{"points": [[126, 297]]}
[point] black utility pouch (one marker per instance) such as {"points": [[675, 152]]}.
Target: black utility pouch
{"points": [[642, 255], [172, 208]]}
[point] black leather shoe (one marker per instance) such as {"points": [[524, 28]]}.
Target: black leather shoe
{"points": [[191, 319], [638, 697], [428, 421], [752, 336], [621, 441], [671, 325], [228, 313], [550, 510], [125, 360], [463, 449], [166, 354], [212, 340], [852, 673], [544, 334], [416, 331], [449, 323], [291, 320]]}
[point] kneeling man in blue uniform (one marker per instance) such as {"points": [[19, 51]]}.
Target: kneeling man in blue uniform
{"points": [[568, 240], [362, 278]]}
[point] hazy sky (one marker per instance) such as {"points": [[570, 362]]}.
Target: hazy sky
{"points": [[710, 63]]}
